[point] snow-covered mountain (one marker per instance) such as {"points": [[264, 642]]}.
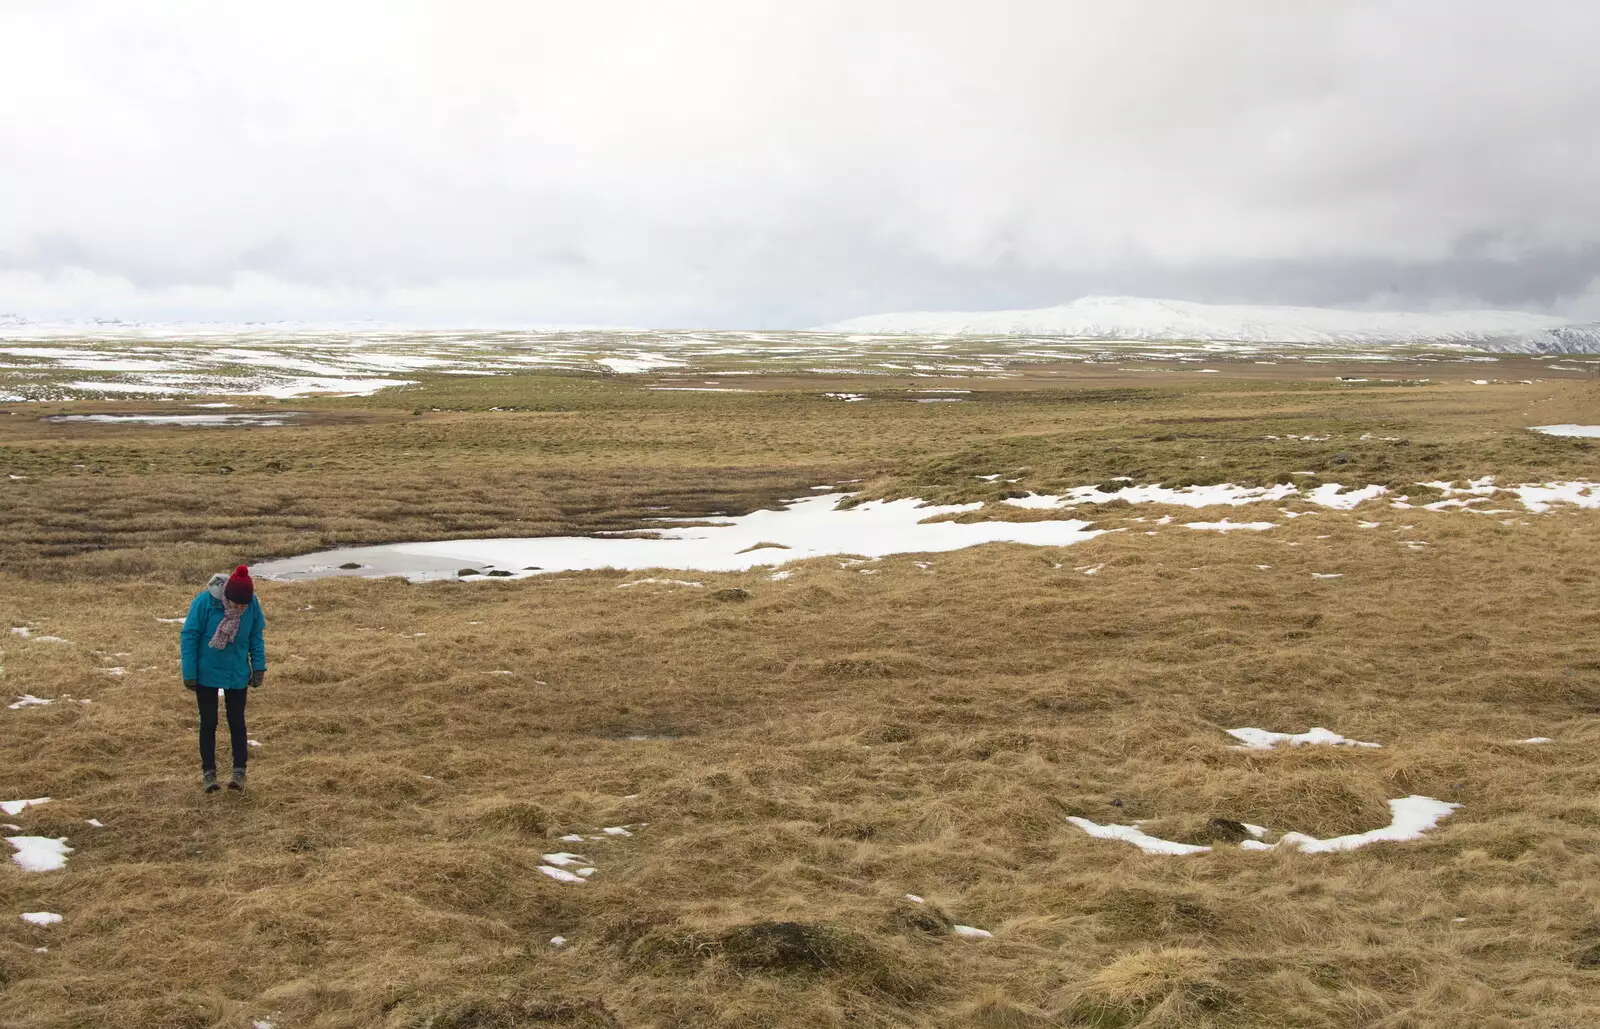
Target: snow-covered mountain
{"points": [[1133, 318]]}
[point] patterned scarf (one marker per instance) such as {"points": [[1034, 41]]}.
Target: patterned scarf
{"points": [[231, 613]]}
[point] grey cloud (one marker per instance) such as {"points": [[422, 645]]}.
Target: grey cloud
{"points": [[738, 162]]}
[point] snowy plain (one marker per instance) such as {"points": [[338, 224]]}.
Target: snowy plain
{"points": [[112, 359]]}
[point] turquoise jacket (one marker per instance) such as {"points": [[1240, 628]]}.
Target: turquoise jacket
{"points": [[230, 667]]}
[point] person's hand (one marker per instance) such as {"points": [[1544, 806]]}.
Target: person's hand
{"points": [[257, 677], [191, 684]]}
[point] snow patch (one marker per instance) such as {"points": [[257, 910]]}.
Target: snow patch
{"points": [[564, 866], [661, 582], [191, 420], [698, 389], [1262, 739], [819, 525], [562, 859], [41, 917], [26, 633], [1538, 498], [336, 387], [1410, 818], [1183, 496], [806, 528], [1136, 836], [638, 364], [1333, 495], [39, 853], [16, 807]]}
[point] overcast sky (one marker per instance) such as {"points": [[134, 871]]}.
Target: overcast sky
{"points": [[779, 163]]}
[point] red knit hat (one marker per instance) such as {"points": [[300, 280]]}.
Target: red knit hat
{"points": [[239, 588]]}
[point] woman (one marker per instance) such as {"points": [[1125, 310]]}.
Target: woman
{"points": [[223, 650]]}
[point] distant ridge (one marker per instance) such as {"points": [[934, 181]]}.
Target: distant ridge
{"points": [[16, 326], [1135, 318]]}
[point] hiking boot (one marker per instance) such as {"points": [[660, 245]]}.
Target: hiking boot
{"points": [[209, 779], [237, 782]]}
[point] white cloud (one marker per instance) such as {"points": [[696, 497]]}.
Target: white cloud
{"points": [[735, 161]]}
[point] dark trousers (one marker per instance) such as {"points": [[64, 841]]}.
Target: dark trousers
{"points": [[234, 700]]}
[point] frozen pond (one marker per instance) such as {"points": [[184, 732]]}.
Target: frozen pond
{"points": [[810, 527]]}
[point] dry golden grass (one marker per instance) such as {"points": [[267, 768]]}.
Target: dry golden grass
{"points": [[806, 758]]}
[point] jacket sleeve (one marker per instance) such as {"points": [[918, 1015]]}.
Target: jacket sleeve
{"points": [[189, 640], [258, 643]]}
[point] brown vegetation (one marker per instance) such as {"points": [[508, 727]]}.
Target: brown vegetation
{"points": [[793, 765]]}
